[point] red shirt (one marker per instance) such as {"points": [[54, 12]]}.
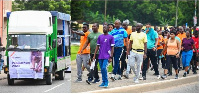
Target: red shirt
{"points": [[196, 42]]}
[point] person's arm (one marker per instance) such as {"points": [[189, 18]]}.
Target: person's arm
{"points": [[130, 46], [179, 48], [78, 33], [85, 45], [97, 48], [145, 50], [111, 56], [126, 41], [165, 48], [195, 49]]}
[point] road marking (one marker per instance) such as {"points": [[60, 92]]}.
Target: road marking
{"points": [[136, 85], [54, 87]]}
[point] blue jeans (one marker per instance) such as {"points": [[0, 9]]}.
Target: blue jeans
{"points": [[186, 57], [103, 63], [1, 64], [117, 54]]}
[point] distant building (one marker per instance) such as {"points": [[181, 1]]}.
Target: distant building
{"points": [[5, 6]]}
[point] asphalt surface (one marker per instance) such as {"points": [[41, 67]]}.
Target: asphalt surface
{"points": [[84, 87], [36, 86], [186, 88]]}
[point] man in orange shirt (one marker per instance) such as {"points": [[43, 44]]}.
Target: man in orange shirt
{"points": [[123, 56], [85, 55], [160, 46], [181, 35]]}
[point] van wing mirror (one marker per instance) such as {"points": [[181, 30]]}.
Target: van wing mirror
{"points": [[54, 43]]}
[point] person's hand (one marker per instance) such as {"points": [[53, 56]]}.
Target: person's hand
{"points": [[144, 56], [93, 58], [154, 48], [127, 53], [110, 60], [177, 56], [81, 51]]}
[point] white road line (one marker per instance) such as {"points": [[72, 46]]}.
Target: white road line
{"points": [[136, 85], [54, 87]]}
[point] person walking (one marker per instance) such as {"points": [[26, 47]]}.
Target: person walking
{"points": [[119, 35], [83, 58], [173, 48], [123, 56], [138, 43], [195, 59], [105, 45], [187, 53], [92, 41], [152, 38]]}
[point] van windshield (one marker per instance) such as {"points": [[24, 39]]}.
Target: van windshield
{"points": [[27, 42]]}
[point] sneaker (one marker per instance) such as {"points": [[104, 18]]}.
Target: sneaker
{"points": [[195, 73], [106, 84], [185, 74], [176, 77], [188, 71], [169, 74], [158, 77], [142, 78], [136, 81], [88, 82], [102, 85], [126, 76], [78, 80], [96, 81], [119, 78], [112, 78], [90, 79], [164, 77]]}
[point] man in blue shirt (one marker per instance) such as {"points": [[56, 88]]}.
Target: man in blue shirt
{"points": [[152, 41], [119, 34]]}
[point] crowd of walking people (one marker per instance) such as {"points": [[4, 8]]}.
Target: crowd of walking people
{"points": [[136, 50]]}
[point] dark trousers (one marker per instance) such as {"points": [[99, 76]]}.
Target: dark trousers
{"points": [[152, 55], [158, 54], [94, 73], [179, 60], [123, 60], [117, 54], [171, 59], [194, 61]]}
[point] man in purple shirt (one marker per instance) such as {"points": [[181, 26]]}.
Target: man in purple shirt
{"points": [[106, 44]]}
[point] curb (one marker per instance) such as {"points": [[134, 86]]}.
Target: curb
{"points": [[146, 87]]}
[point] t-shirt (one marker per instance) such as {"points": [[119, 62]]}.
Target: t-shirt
{"points": [[138, 41], [178, 39], [82, 42], [182, 36], [129, 31], [187, 44], [160, 39], [196, 42], [151, 42], [92, 37], [119, 35], [105, 42]]}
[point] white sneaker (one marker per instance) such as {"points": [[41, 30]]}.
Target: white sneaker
{"points": [[158, 77], [134, 78], [141, 78], [136, 81]]}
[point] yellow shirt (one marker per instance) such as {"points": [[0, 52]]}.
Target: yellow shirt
{"points": [[138, 41]]}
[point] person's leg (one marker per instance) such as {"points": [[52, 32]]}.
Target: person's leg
{"points": [[154, 61], [117, 54], [104, 72], [123, 59], [188, 59], [166, 66], [145, 64], [86, 58], [79, 65], [132, 61], [175, 64], [101, 66], [139, 64], [96, 75], [183, 58]]}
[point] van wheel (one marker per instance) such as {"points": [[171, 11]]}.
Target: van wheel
{"points": [[62, 75], [10, 81], [49, 79]]}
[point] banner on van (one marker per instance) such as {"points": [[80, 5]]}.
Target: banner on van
{"points": [[26, 64]]}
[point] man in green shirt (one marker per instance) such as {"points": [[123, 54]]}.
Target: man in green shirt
{"points": [[92, 39]]}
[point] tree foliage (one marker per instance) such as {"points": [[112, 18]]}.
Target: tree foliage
{"points": [[47, 5], [157, 12]]}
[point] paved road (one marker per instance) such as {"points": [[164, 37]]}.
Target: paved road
{"points": [[37, 86], [84, 87], [186, 88]]}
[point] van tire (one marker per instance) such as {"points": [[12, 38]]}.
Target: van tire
{"points": [[62, 75], [49, 79], [10, 81]]}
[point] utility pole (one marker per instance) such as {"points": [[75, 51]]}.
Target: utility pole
{"points": [[176, 13], [195, 17], [105, 10]]}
